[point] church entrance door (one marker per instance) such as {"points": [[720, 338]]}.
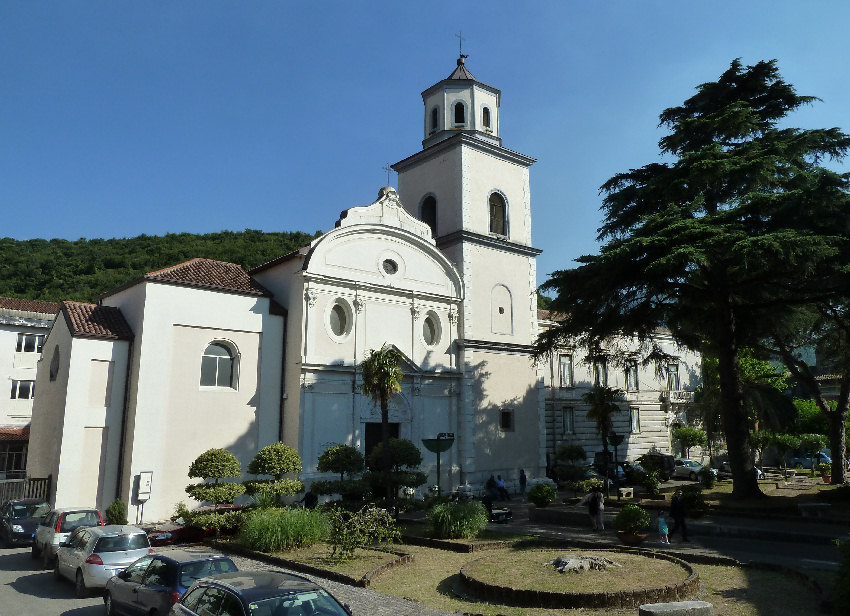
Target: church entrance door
{"points": [[373, 435]]}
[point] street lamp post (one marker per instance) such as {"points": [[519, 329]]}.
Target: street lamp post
{"points": [[615, 440], [438, 445]]}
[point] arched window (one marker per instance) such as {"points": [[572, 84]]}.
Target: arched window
{"points": [[497, 214], [460, 114], [435, 119], [485, 117], [218, 366], [428, 213]]}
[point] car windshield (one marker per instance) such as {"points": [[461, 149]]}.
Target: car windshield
{"points": [[195, 571], [299, 604], [34, 510], [122, 543]]}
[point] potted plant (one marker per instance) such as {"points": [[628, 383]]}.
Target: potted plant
{"points": [[825, 470], [630, 522]]}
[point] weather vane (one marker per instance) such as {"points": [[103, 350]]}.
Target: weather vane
{"points": [[460, 38], [387, 168]]}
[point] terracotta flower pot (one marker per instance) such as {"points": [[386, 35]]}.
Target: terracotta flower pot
{"points": [[631, 538], [827, 479]]}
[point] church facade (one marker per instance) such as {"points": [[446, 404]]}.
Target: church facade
{"points": [[205, 354]]}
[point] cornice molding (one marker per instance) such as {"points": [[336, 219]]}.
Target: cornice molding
{"points": [[465, 138], [488, 241]]}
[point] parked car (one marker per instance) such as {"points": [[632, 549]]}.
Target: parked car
{"points": [[177, 531], [689, 469], [664, 463], [257, 593], [57, 526], [726, 471], [19, 518], [807, 460], [155, 582], [92, 555]]}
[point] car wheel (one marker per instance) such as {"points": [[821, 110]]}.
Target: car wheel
{"points": [[154, 613], [80, 586], [692, 476], [34, 552], [107, 602]]}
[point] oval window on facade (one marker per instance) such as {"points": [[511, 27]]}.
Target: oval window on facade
{"points": [[431, 330], [339, 320], [390, 267]]}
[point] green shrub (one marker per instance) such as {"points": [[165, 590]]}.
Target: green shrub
{"points": [[693, 500], [361, 529], [632, 519], [116, 513], [215, 464], [221, 522], [651, 482], [277, 530], [707, 478], [278, 460], [542, 495], [457, 520], [825, 469]]}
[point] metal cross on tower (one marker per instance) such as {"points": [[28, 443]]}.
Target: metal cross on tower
{"points": [[387, 168], [460, 38]]}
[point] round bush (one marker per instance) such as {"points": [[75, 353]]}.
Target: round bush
{"points": [[276, 459], [542, 495], [457, 520], [632, 519], [276, 530]]}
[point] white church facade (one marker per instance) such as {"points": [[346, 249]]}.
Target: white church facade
{"points": [[205, 354]]}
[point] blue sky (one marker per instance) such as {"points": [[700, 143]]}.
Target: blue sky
{"points": [[119, 118]]}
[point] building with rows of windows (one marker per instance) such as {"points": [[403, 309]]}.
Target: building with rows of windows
{"points": [[205, 354], [23, 327]]}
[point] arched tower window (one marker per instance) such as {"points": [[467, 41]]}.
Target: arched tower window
{"points": [[218, 366], [435, 119], [460, 114], [429, 213], [497, 214], [501, 310], [485, 117]]}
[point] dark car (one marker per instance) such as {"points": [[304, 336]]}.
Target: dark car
{"points": [[257, 593], [664, 463], [154, 583], [19, 518]]}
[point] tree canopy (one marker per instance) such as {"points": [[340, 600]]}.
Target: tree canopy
{"points": [[739, 224], [81, 270]]}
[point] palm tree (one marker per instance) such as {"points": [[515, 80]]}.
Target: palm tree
{"points": [[381, 380], [603, 404]]}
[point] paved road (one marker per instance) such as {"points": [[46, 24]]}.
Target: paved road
{"points": [[27, 590]]}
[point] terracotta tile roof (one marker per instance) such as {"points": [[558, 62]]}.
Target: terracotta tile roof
{"points": [[95, 321], [29, 305], [209, 274], [15, 434]]}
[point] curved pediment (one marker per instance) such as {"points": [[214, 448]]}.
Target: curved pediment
{"points": [[381, 244]]}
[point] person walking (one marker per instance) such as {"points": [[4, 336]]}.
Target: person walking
{"points": [[523, 481], [595, 502], [677, 512], [662, 528]]}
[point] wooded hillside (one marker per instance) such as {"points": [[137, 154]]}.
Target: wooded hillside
{"points": [[54, 270]]}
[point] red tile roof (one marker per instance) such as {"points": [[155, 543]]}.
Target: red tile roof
{"points": [[95, 321], [29, 305], [15, 434], [209, 274]]}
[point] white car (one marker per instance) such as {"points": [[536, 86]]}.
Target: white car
{"points": [[93, 555], [57, 526], [688, 469]]}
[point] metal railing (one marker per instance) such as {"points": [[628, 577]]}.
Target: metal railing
{"points": [[29, 487]]}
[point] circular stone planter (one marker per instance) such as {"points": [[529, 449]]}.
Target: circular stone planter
{"points": [[632, 539], [517, 595]]}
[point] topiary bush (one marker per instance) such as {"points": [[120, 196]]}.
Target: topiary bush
{"points": [[116, 513], [632, 519], [215, 464], [651, 482], [277, 530], [542, 495], [694, 501], [277, 460], [457, 520], [707, 477]]}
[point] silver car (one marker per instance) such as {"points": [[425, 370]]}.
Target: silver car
{"points": [[92, 555]]}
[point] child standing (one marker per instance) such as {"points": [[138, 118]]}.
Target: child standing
{"points": [[662, 528]]}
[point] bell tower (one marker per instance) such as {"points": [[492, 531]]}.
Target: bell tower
{"points": [[475, 196]]}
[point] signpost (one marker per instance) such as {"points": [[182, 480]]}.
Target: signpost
{"points": [[438, 445], [615, 439]]}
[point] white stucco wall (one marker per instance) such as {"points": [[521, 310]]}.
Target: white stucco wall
{"points": [[174, 419], [16, 366]]}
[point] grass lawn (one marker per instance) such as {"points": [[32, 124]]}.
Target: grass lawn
{"points": [[432, 575]]}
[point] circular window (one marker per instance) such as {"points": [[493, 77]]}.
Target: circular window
{"points": [[339, 320], [431, 330], [390, 266]]}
